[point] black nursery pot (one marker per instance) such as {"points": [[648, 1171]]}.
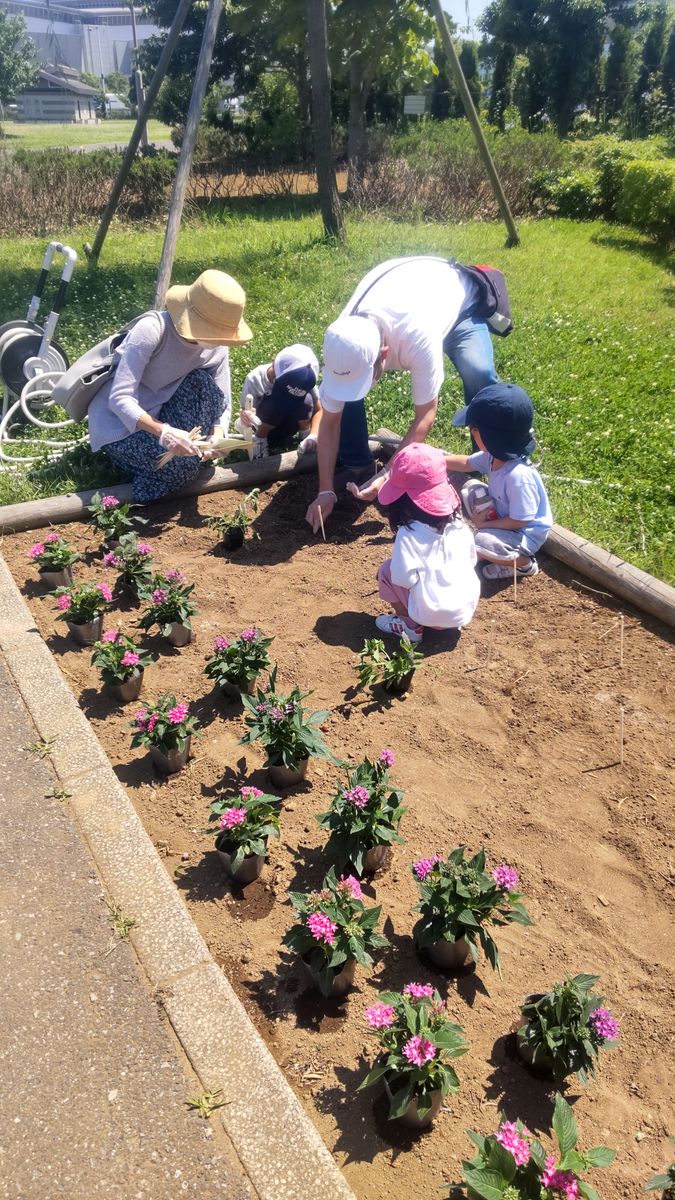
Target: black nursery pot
{"points": [[233, 539], [398, 688]]}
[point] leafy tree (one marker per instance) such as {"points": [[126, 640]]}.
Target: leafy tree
{"points": [[91, 80], [18, 63], [649, 77], [468, 61], [618, 71], [118, 85], [442, 87], [668, 71], [502, 84]]}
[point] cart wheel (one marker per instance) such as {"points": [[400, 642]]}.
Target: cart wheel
{"points": [[14, 360]]}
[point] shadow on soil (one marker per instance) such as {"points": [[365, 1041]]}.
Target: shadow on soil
{"points": [[206, 881], [520, 1091]]}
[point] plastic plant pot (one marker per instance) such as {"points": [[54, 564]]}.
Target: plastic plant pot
{"points": [[130, 689], [233, 539], [543, 1062], [283, 777], [89, 632], [234, 690], [54, 579], [170, 762], [376, 859], [249, 870], [450, 956], [411, 1117], [343, 981], [179, 635], [402, 685]]}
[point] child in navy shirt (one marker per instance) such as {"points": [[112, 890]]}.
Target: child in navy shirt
{"points": [[512, 514]]}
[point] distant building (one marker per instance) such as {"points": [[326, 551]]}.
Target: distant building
{"points": [[86, 35], [59, 97]]}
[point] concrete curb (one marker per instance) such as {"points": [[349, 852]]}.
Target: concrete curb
{"points": [[277, 1145]]}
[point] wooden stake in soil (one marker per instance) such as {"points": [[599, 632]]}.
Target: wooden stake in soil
{"points": [[621, 737], [515, 581], [621, 640], [489, 653], [323, 531]]}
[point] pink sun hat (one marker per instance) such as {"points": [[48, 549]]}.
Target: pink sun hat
{"points": [[420, 471]]}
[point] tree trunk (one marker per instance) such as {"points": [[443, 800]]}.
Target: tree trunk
{"points": [[356, 133], [305, 98], [329, 198]]}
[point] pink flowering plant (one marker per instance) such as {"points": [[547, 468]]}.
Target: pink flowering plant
{"points": [[417, 1040], [118, 658], [112, 518], [283, 726], [366, 811], [566, 1028], [460, 897], [133, 562], [239, 660], [169, 602], [166, 724], [246, 822], [334, 926], [53, 553], [511, 1164], [239, 518], [82, 602]]}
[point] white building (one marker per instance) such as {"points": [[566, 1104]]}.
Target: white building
{"points": [[58, 97], [86, 35]]}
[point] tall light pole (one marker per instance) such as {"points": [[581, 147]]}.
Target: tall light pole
{"points": [[138, 78]]}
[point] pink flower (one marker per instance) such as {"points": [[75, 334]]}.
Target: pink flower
{"points": [[605, 1025], [564, 1182], [144, 548], [251, 793], [110, 559], [512, 1141], [63, 602], [111, 636], [159, 596], [109, 502], [51, 538], [353, 886], [417, 991], [419, 1051], [175, 576], [506, 878], [221, 643], [141, 718], [387, 758], [276, 713], [152, 721], [358, 796], [178, 714], [249, 635], [424, 866], [380, 1016], [105, 591], [232, 817], [36, 550], [322, 928], [130, 659]]}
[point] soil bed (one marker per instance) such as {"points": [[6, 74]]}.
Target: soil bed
{"points": [[523, 761]]}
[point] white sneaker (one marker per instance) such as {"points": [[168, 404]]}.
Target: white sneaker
{"points": [[492, 570], [391, 623]]}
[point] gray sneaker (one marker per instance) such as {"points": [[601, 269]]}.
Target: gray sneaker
{"points": [[490, 570]]}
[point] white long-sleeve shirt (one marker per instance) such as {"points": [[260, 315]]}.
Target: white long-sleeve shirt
{"points": [[258, 384], [439, 571], [152, 363]]}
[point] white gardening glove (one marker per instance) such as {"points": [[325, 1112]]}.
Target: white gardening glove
{"points": [[178, 441], [308, 444]]}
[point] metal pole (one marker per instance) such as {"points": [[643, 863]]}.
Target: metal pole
{"points": [[187, 151], [472, 116], [155, 82], [138, 78]]}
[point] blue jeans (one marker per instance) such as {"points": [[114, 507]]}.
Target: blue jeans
{"points": [[468, 345]]}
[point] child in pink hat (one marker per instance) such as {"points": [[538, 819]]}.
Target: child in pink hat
{"points": [[430, 579]]}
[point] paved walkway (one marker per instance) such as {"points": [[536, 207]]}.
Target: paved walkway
{"points": [[92, 1081]]}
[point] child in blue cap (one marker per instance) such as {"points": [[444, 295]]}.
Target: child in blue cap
{"points": [[512, 514], [280, 399]]}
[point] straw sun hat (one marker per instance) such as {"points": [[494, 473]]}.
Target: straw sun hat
{"points": [[210, 310]]}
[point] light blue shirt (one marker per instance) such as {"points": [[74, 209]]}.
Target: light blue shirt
{"points": [[518, 492]]}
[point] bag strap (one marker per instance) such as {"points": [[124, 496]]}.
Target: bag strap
{"points": [[414, 258]]}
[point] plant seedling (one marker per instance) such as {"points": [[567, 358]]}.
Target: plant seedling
{"points": [[42, 747], [206, 1104], [239, 518], [122, 926], [57, 793], [393, 671]]}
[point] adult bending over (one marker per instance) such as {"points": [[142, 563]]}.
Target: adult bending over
{"points": [[403, 316], [173, 374]]}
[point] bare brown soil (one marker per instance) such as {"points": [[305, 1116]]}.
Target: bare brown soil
{"points": [[523, 761]]}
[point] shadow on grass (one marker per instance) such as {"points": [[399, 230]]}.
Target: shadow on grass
{"points": [[617, 239]]}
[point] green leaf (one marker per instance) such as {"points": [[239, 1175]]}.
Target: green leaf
{"points": [[373, 1076], [600, 1156], [487, 1184], [564, 1125], [400, 1100], [588, 1192], [501, 1160]]}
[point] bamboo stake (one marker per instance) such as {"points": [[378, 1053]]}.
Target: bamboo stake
{"points": [[515, 581], [621, 737], [323, 531], [621, 640]]}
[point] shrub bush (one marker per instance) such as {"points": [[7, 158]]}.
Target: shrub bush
{"points": [[647, 199], [573, 194]]}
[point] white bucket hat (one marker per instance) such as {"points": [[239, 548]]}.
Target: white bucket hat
{"points": [[210, 310], [350, 350]]}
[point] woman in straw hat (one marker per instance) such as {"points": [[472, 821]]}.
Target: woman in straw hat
{"points": [[173, 374]]}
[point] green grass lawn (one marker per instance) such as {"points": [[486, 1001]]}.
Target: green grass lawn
{"points": [[593, 343], [41, 136]]}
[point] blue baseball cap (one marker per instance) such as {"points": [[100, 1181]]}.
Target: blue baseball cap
{"points": [[503, 414]]}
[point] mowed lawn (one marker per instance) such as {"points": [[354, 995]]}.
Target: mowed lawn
{"points": [[593, 343], [38, 135]]}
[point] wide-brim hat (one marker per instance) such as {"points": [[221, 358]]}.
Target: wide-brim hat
{"points": [[210, 310], [503, 414], [420, 472]]}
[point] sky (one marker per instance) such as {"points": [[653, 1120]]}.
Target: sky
{"points": [[457, 10]]}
